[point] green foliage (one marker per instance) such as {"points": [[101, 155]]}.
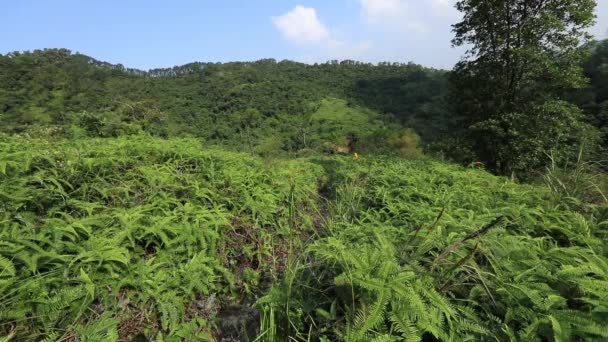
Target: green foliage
{"points": [[594, 99], [240, 105], [507, 92], [102, 238], [283, 108], [414, 250], [579, 182], [113, 238], [121, 218], [407, 143]]}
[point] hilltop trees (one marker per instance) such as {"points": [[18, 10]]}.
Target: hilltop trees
{"points": [[213, 101], [509, 94], [508, 90]]}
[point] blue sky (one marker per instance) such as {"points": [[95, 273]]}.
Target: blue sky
{"points": [[153, 33]]}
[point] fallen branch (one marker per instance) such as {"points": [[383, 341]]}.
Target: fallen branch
{"points": [[472, 235]]}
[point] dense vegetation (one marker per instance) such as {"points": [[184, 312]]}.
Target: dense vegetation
{"points": [[220, 103], [208, 202], [522, 57], [110, 238], [594, 99], [264, 106], [139, 235]]}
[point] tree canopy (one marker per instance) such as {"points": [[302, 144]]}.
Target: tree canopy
{"points": [[55, 87], [508, 91]]}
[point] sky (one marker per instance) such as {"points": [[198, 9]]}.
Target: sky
{"points": [[148, 34]]}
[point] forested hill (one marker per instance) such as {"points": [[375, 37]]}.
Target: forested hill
{"points": [[266, 105], [215, 100], [282, 201]]}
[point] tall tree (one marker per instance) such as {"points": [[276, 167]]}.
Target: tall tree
{"points": [[522, 57], [595, 99]]}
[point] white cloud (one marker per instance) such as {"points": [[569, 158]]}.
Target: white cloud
{"points": [[302, 27], [600, 30], [395, 30], [395, 15], [380, 10], [376, 10], [441, 4], [405, 30]]}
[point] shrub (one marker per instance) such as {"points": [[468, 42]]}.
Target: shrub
{"points": [[407, 143]]}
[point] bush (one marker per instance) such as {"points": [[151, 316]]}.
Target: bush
{"points": [[407, 143]]}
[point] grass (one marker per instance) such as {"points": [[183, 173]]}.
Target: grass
{"points": [[339, 111], [578, 182], [114, 239], [336, 119]]}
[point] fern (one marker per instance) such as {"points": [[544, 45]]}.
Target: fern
{"points": [[102, 239]]}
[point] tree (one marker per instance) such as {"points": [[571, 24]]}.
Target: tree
{"points": [[508, 89], [246, 121], [595, 99]]}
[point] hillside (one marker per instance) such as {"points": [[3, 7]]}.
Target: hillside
{"points": [[210, 100], [275, 200], [114, 238], [55, 87]]}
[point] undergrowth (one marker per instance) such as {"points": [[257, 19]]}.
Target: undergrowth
{"points": [[138, 237], [421, 250], [113, 238]]}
